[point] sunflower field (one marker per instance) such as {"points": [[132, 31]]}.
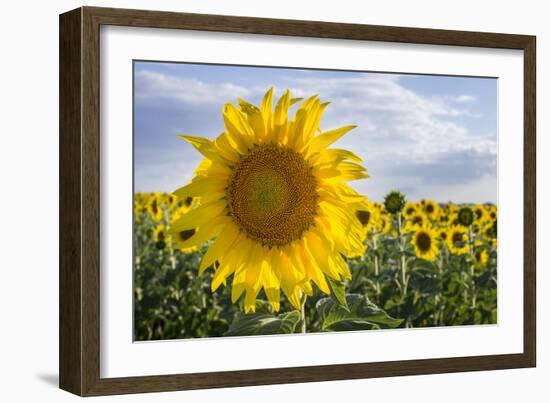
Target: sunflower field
{"points": [[268, 237], [424, 264]]}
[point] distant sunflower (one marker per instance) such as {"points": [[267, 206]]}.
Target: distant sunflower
{"points": [[481, 257], [431, 209], [443, 234], [160, 237], [170, 200], [368, 215], [492, 213], [480, 214], [415, 222], [410, 210], [273, 197], [178, 238], [424, 241], [458, 240], [154, 208]]}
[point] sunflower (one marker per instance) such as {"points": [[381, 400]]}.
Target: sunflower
{"points": [[154, 208], [431, 209], [425, 243], [410, 210], [443, 218], [492, 212], [457, 240], [170, 200], [416, 221], [368, 215], [160, 237], [273, 197], [179, 237], [481, 257], [384, 223], [480, 214], [443, 234], [139, 207]]}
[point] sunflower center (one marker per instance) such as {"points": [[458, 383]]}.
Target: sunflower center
{"points": [[423, 241], [272, 195], [457, 238], [417, 220]]}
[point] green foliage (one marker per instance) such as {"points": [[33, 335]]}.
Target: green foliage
{"points": [[361, 314], [338, 291], [263, 321], [171, 301]]}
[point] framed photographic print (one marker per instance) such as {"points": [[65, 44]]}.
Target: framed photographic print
{"points": [[249, 201]]}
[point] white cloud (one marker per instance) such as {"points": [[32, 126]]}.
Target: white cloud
{"points": [[397, 120], [464, 98], [153, 86], [408, 141]]}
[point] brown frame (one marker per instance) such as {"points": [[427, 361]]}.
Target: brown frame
{"points": [[79, 201]]}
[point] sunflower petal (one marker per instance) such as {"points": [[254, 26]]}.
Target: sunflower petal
{"points": [[224, 241], [325, 139], [199, 216]]}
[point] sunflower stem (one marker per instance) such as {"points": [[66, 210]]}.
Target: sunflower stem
{"points": [[472, 271], [303, 328], [403, 260], [376, 267], [375, 247], [171, 254], [439, 294]]}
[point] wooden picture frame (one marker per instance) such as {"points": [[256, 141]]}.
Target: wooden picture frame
{"points": [[80, 184]]}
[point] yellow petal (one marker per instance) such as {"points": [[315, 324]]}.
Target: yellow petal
{"points": [[204, 146], [202, 234], [281, 110], [218, 248], [200, 186], [235, 121], [267, 107], [199, 216], [325, 139]]}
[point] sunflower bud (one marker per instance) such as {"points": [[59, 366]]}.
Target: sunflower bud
{"points": [[465, 216], [394, 202]]}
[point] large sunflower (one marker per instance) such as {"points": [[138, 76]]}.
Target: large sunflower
{"points": [[273, 197]]}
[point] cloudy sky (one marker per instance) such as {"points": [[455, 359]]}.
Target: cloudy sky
{"points": [[429, 136]]}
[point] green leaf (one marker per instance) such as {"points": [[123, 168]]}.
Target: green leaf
{"points": [[338, 291], [263, 323], [361, 314]]}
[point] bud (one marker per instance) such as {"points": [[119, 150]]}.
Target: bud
{"points": [[465, 216], [394, 202]]}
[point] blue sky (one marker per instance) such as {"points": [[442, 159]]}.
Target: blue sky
{"points": [[429, 136]]}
